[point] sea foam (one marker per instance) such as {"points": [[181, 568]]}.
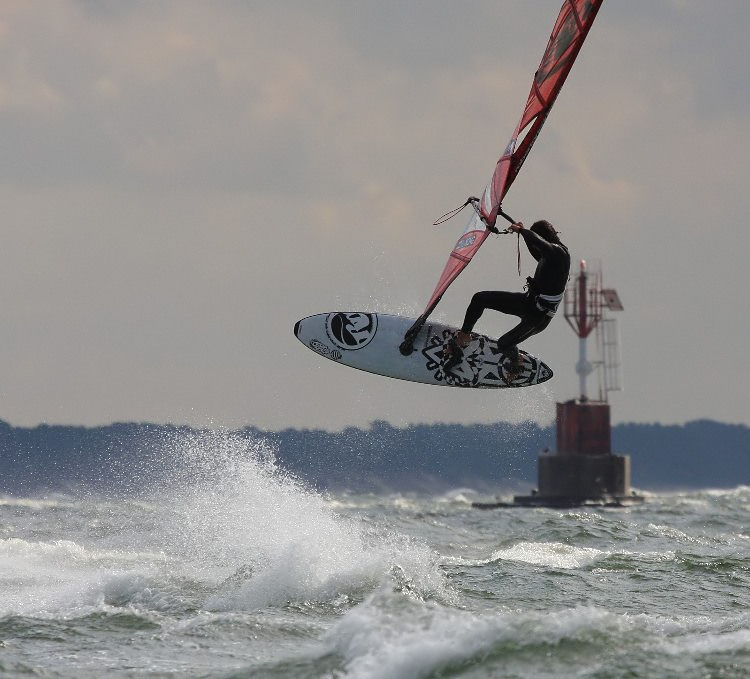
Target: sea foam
{"points": [[266, 539]]}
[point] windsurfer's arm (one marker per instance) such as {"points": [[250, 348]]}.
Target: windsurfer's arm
{"points": [[533, 240]]}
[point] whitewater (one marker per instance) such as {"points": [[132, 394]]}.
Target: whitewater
{"points": [[230, 567]]}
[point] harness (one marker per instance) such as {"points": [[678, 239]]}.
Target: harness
{"points": [[547, 304]]}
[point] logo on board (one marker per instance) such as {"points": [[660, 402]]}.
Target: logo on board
{"points": [[350, 330], [324, 350]]}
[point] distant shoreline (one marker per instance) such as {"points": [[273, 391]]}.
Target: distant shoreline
{"points": [[124, 456]]}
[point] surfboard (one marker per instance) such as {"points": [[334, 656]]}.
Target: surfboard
{"points": [[370, 342]]}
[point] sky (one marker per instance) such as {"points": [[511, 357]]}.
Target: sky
{"points": [[181, 181]]}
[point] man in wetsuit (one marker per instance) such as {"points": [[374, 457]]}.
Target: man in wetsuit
{"points": [[535, 307]]}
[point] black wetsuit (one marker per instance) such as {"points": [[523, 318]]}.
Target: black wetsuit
{"points": [[537, 306]]}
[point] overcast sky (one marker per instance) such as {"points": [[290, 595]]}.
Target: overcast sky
{"points": [[181, 181]]}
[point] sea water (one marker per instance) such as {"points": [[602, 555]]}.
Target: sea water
{"points": [[233, 568]]}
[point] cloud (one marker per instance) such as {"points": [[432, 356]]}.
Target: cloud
{"points": [[181, 181]]}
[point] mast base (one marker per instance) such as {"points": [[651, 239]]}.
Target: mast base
{"points": [[407, 346]]}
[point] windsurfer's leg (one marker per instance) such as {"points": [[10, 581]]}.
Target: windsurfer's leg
{"points": [[514, 303], [529, 326], [508, 343], [504, 302]]}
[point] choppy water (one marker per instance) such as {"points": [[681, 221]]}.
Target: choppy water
{"points": [[236, 570]]}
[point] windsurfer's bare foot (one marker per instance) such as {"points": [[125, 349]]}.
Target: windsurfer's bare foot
{"points": [[512, 365], [453, 352], [463, 338]]}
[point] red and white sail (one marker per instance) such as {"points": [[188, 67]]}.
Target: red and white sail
{"points": [[570, 30]]}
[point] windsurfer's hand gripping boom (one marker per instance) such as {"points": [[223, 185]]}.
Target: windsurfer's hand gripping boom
{"points": [[507, 217]]}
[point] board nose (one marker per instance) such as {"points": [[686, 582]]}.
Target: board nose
{"points": [[296, 329]]}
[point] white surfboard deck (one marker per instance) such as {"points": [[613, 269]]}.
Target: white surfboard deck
{"points": [[370, 342]]}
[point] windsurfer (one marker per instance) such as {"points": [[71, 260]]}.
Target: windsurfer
{"points": [[535, 307]]}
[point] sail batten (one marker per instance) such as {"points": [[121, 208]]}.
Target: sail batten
{"points": [[568, 34]]}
